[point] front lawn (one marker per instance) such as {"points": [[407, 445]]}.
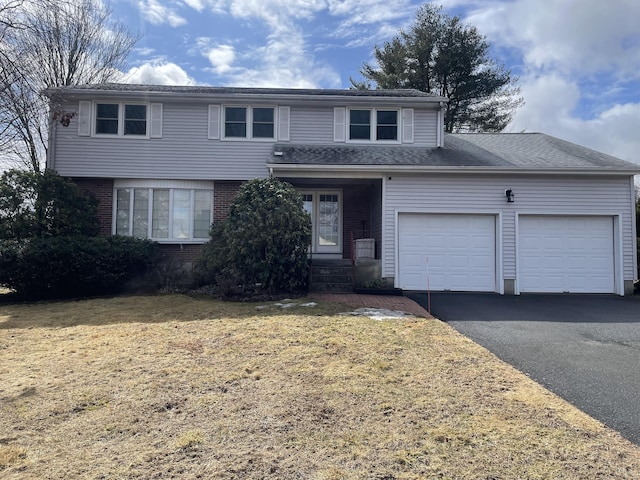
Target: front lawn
{"points": [[176, 387]]}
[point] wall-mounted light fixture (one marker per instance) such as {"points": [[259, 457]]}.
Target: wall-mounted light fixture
{"points": [[510, 195]]}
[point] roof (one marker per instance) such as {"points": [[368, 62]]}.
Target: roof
{"points": [[501, 151], [173, 90]]}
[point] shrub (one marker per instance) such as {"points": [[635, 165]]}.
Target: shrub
{"points": [[263, 241], [76, 266], [34, 204]]}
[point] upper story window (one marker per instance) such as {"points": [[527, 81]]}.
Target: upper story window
{"points": [[373, 125], [249, 122], [121, 119]]}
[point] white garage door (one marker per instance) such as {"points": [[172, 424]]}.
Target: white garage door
{"points": [[460, 249], [566, 254]]}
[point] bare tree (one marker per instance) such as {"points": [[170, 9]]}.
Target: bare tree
{"points": [[57, 43]]}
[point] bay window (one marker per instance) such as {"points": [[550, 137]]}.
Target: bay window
{"points": [[163, 214]]}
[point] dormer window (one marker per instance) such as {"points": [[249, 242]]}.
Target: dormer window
{"points": [[373, 125]]}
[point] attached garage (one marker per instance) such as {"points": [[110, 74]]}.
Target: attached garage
{"points": [[559, 254], [454, 252]]}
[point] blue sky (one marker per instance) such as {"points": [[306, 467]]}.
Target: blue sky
{"points": [[578, 60]]}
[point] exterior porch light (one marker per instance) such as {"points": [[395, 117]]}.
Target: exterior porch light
{"points": [[510, 195]]}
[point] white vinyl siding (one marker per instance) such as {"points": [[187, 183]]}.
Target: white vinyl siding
{"points": [[484, 194]]}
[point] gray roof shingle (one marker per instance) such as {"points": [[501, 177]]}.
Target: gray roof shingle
{"points": [[499, 151], [206, 90]]}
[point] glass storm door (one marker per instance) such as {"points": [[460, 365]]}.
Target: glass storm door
{"points": [[326, 221]]}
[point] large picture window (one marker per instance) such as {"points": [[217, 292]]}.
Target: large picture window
{"points": [[249, 122], [163, 214], [373, 125], [121, 119]]}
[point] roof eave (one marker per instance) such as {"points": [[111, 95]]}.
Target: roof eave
{"points": [[276, 167], [71, 94]]}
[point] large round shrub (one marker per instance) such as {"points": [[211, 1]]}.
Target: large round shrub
{"points": [[262, 243]]}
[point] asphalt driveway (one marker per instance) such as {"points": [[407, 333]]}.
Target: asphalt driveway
{"points": [[585, 348]]}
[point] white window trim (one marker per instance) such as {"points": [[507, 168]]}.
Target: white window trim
{"points": [[249, 137], [121, 119], [315, 194], [374, 125], [151, 185]]}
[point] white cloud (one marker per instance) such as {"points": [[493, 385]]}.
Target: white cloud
{"points": [[586, 37], [159, 73], [221, 58], [550, 107], [158, 14], [195, 4]]}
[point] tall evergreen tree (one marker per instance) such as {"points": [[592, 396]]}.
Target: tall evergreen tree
{"points": [[441, 55]]}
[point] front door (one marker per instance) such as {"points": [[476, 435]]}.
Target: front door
{"points": [[325, 208]]}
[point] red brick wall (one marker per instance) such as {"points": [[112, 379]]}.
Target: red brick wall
{"points": [[223, 194], [356, 207], [102, 189]]}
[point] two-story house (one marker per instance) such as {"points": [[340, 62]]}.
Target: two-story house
{"points": [[507, 213]]}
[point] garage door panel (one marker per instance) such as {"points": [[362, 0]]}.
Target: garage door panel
{"points": [[460, 250], [566, 254]]}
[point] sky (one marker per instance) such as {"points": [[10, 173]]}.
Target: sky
{"points": [[578, 61]]}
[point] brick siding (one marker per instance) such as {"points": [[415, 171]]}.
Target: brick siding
{"points": [[356, 208], [223, 194], [102, 189]]}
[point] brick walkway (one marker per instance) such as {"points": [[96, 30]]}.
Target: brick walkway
{"points": [[389, 302]]}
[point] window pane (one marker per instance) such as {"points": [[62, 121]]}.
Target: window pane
{"points": [[360, 117], [263, 123], [107, 110], [160, 219], [123, 203], [263, 130], [201, 214], [263, 115], [357, 132], [135, 119], [135, 112], [387, 117], [328, 221], [141, 213], [387, 128], [235, 114], [107, 118], [181, 213], [105, 127], [359, 125], [235, 130]]}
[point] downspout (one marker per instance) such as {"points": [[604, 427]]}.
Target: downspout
{"points": [[51, 141], [440, 135]]}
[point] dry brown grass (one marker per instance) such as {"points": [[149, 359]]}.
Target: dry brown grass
{"points": [[177, 387]]}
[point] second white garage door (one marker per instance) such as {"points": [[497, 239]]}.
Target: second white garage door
{"points": [[461, 252], [559, 254]]}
